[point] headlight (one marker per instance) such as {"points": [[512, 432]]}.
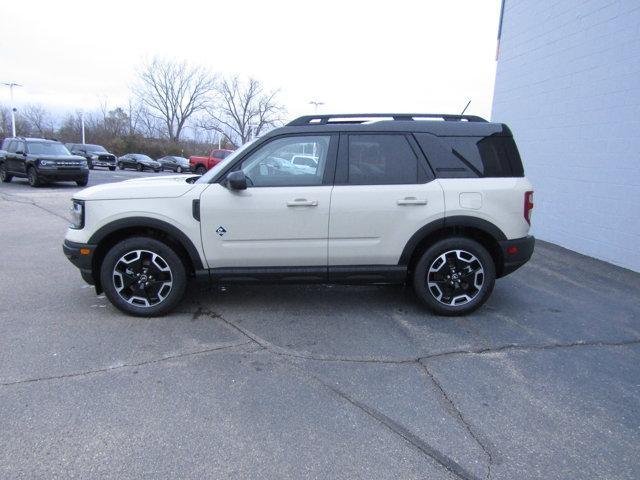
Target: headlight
{"points": [[94, 157], [77, 214], [83, 164], [47, 163]]}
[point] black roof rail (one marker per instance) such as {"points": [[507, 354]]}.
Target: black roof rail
{"points": [[364, 117]]}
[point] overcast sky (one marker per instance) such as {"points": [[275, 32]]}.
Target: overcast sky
{"points": [[356, 56]]}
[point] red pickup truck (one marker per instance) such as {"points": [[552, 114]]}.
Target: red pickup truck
{"points": [[200, 165]]}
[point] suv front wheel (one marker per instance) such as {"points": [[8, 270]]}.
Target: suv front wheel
{"points": [[33, 178], [454, 276], [142, 276]]}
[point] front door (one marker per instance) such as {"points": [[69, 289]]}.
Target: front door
{"points": [[282, 218]]}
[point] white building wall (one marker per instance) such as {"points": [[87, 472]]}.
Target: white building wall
{"points": [[568, 86]]}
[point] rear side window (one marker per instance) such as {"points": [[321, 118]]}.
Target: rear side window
{"points": [[381, 160], [469, 157]]}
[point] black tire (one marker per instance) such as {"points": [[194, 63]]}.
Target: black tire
{"points": [[91, 166], [443, 290], [158, 170], [33, 177], [112, 168], [121, 165], [82, 182], [5, 177], [168, 257], [179, 170], [139, 167], [201, 170]]}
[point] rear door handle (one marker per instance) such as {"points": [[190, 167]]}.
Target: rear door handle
{"points": [[412, 201], [302, 202]]}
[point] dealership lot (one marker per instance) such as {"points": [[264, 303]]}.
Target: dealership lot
{"points": [[289, 381]]}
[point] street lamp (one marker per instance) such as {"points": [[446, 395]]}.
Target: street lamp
{"points": [[13, 109], [316, 104]]}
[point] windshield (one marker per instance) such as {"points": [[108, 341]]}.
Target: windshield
{"points": [[47, 148], [95, 148], [206, 178]]}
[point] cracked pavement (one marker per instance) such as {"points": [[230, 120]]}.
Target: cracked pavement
{"points": [[312, 381]]}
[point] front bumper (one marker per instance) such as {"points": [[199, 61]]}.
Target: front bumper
{"points": [[103, 163], [56, 174], [81, 255], [516, 253]]}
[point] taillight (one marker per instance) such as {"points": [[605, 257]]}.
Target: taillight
{"points": [[528, 206]]}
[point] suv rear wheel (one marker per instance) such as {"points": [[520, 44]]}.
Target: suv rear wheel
{"points": [[454, 276], [5, 177], [143, 276]]}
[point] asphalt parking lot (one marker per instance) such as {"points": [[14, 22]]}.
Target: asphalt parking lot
{"points": [[317, 381]]}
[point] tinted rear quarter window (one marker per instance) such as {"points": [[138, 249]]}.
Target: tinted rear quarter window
{"points": [[381, 160], [469, 157]]}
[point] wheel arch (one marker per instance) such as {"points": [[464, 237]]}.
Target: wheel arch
{"points": [[110, 234], [482, 231]]}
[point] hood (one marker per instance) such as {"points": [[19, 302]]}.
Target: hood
{"points": [[75, 158], [170, 186]]}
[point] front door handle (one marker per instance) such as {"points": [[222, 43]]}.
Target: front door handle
{"points": [[412, 201], [302, 202]]}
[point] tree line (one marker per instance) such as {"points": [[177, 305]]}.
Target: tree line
{"points": [[174, 109]]}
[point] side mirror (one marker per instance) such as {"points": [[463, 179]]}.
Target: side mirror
{"points": [[237, 180]]}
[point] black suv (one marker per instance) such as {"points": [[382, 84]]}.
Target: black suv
{"points": [[41, 161], [96, 155]]}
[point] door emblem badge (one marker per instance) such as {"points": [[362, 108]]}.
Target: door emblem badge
{"points": [[221, 231]]}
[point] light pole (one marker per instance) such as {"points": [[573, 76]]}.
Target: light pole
{"points": [[82, 124], [13, 109], [316, 104]]}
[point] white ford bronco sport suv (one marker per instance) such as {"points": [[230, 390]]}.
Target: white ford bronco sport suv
{"points": [[391, 198]]}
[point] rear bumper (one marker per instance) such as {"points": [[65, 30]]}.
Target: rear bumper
{"points": [[516, 253], [81, 255]]}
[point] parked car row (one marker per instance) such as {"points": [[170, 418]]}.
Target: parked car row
{"points": [[43, 160]]}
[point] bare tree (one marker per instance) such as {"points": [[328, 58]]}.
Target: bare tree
{"points": [[242, 109], [39, 119], [172, 92]]}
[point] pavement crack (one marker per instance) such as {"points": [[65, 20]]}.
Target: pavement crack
{"points": [[520, 347], [458, 414], [285, 352], [126, 365], [12, 198], [443, 460]]}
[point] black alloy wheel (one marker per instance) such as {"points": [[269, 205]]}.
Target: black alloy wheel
{"points": [[454, 276], [143, 276]]}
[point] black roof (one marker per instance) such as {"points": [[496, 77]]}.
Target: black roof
{"points": [[436, 124], [34, 139]]}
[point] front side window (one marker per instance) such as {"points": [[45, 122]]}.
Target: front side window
{"points": [[381, 160], [271, 165]]}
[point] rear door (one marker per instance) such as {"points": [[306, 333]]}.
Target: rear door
{"points": [[384, 192], [10, 158]]}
